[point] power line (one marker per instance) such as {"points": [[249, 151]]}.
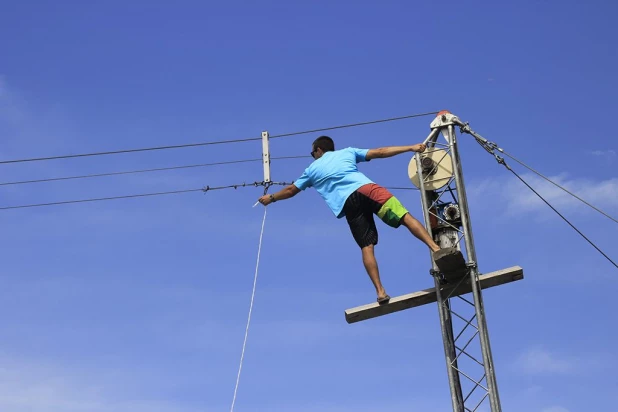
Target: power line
{"points": [[489, 147], [564, 218], [144, 149], [203, 189], [55, 179], [36, 159], [402, 188], [100, 199], [392, 119], [560, 187]]}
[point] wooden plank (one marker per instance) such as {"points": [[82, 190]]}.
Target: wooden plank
{"points": [[426, 296]]}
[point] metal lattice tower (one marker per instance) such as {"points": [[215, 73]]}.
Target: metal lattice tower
{"points": [[437, 172], [469, 362]]}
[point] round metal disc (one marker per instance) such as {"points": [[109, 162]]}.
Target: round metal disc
{"points": [[442, 165]]}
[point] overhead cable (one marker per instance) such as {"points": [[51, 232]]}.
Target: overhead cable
{"points": [[111, 152], [55, 179], [203, 189], [392, 119], [144, 149], [402, 188], [564, 218], [489, 147], [558, 186]]}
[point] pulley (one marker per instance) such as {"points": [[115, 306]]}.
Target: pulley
{"points": [[436, 166]]}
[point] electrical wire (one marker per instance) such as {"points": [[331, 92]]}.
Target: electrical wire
{"points": [[55, 179], [144, 149], [392, 119], [401, 188], [66, 202], [490, 147], [204, 189], [558, 186], [564, 218]]}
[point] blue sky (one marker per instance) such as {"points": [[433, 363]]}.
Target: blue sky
{"points": [[140, 304]]}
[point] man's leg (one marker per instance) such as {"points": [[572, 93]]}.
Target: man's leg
{"points": [[448, 260], [418, 230], [393, 213], [359, 215], [371, 266]]}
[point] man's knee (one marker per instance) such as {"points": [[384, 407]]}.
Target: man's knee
{"points": [[368, 248], [407, 219]]}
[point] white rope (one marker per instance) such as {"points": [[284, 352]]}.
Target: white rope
{"points": [[250, 310]]}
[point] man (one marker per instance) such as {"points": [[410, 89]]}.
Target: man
{"points": [[350, 193]]}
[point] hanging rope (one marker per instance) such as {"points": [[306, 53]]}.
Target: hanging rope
{"points": [[242, 355]]}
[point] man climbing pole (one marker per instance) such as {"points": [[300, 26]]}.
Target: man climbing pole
{"points": [[350, 193]]}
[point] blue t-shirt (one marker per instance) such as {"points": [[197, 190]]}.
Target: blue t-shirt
{"points": [[335, 177]]}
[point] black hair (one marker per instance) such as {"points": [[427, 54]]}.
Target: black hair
{"points": [[325, 143]]}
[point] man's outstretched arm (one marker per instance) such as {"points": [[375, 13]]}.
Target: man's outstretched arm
{"points": [[285, 193], [390, 151]]}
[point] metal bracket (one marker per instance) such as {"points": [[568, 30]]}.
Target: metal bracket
{"points": [[443, 119], [266, 156]]}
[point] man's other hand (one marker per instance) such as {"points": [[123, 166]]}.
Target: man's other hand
{"points": [[265, 200], [420, 148]]}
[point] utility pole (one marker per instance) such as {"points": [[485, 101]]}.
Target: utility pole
{"points": [[438, 174]]}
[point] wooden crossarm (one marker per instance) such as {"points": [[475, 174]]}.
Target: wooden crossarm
{"points": [[426, 296]]}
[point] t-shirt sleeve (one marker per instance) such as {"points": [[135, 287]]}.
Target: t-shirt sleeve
{"points": [[361, 154], [303, 182]]}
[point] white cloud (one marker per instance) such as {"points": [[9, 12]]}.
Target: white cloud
{"points": [[516, 198], [34, 386], [555, 409], [11, 110], [537, 361], [603, 153], [30, 128], [425, 405]]}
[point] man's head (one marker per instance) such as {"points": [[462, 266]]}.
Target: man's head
{"points": [[322, 145]]}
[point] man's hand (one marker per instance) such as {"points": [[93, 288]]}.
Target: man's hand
{"points": [[420, 148], [390, 151], [285, 193], [265, 200]]}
